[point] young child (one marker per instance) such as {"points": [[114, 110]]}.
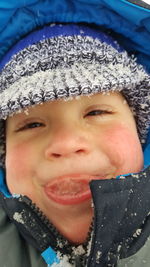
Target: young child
{"points": [[74, 111]]}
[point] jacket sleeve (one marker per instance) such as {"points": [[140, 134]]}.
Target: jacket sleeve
{"points": [[14, 251]]}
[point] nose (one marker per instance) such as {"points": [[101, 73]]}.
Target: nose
{"points": [[67, 142]]}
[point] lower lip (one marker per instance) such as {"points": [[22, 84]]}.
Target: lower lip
{"points": [[68, 198]]}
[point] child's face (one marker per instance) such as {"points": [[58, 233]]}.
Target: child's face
{"points": [[53, 152]]}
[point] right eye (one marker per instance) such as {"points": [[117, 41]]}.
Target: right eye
{"points": [[31, 125], [98, 112]]}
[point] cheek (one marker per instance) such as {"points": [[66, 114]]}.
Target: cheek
{"points": [[17, 157], [18, 167], [124, 149]]}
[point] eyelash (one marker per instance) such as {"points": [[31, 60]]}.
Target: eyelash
{"points": [[32, 125]]}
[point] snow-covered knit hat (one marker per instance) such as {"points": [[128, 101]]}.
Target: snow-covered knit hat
{"points": [[65, 61]]}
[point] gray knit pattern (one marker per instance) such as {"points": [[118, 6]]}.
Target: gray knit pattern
{"points": [[66, 67]]}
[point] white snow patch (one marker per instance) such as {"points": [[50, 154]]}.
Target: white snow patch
{"points": [[137, 233], [98, 255], [15, 195], [79, 250], [18, 217]]}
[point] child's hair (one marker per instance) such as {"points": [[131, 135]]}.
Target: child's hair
{"points": [[65, 61]]}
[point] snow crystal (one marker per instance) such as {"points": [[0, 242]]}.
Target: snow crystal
{"points": [[90, 244], [18, 217], [119, 248], [26, 111], [137, 233], [15, 195], [121, 177], [81, 31], [135, 175], [52, 24], [79, 250], [92, 204], [63, 262], [98, 255]]}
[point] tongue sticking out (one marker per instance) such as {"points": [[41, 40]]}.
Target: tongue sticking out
{"points": [[69, 191]]}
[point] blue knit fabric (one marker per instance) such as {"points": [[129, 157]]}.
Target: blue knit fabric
{"points": [[50, 31]]}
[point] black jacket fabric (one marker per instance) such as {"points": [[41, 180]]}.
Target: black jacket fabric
{"points": [[122, 223]]}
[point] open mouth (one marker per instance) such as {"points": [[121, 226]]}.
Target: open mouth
{"points": [[70, 190]]}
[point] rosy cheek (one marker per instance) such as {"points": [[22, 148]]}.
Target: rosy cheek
{"points": [[124, 149], [17, 167], [16, 157]]}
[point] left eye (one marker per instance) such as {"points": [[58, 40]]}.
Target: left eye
{"points": [[98, 112], [31, 125]]}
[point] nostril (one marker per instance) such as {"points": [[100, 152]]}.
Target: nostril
{"points": [[56, 155], [80, 151]]}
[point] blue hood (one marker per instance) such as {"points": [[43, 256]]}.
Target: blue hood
{"points": [[130, 22]]}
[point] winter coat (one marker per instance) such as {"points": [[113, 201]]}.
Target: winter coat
{"points": [[121, 225]]}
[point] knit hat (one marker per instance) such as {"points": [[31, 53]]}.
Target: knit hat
{"points": [[65, 61]]}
